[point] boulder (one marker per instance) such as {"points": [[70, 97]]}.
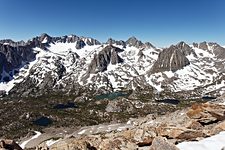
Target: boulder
{"points": [[160, 143], [218, 128], [9, 145], [139, 134], [207, 113]]}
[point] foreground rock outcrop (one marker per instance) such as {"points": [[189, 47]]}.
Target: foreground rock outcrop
{"points": [[151, 132], [9, 145]]}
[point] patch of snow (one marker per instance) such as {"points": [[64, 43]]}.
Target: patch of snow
{"points": [[45, 40], [129, 122], [121, 128], [223, 103], [100, 127], [155, 81], [51, 142], [191, 57], [81, 132], [203, 53], [171, 59], [23, 145], [216, 142], [150, 122], [61, 48], [109, 129], [169, 74], [181, 114]]}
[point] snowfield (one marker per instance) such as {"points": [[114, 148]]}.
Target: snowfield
{"points": [[216, 142], [23, 145]]}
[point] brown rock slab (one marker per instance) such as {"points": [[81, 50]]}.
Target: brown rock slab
{"points": [[160, 143], [218, 128], [206, 113]]}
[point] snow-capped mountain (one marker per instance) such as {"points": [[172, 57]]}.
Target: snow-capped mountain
{"points": [[73, 65]]}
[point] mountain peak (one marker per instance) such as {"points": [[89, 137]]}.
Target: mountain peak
{"points": [[170, 59], [181, 43], [132, 38], [133, 41], [44, 35]]}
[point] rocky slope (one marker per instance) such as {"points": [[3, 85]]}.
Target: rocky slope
{"points": [[151, 132]]}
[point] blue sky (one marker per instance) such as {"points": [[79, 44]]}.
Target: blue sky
{"points": [[161, 22]]}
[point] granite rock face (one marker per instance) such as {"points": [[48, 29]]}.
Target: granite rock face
{"points": [[203, 45], [211, 47], [14, 57], [91, 41], [132, 41], [171, 59], [186, 49], [80, 44], [107, 55], [112, 41]]}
